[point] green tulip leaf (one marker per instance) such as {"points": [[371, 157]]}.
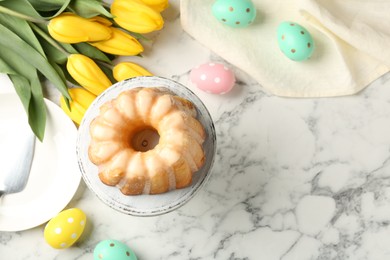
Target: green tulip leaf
{"points": [[59, 70], [23, 89], [52, 53], [21, 84], [26, 10], [22, 8], [108, 73], [69, 48], [16, 64], [12, 41], [22, 29], [28, 87], [92, 52], [49, 5], [59, 11], [5, 67], [89, 8], [138, 36], [37, 109]]}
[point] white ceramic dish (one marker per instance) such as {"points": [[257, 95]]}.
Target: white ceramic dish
{"points": [[54, 176], [144, 205]]}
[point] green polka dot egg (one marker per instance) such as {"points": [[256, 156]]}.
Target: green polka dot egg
{"points": [[234, 13], [65, 229], [295, 41], [111, 249]]}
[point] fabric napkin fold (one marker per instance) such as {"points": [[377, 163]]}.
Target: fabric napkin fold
{"points": [[352, 44]]}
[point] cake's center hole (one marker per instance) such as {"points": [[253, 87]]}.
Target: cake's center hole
{"points": [[145, 140]]}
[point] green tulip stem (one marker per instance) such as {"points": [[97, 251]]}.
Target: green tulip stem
{"points": [[48, 38], [105, 64], [20, 15]]}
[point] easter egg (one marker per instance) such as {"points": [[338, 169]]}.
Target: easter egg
{"points": [[111, 249], [234, 13], [63, 230], [295, 41], [213, 78]]}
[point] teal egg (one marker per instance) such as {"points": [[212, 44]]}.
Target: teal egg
{"points": [[295, 41], [113, 250], [234, 13]]}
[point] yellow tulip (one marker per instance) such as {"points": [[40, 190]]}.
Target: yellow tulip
{"points": [[126, 70], [71, 28], [158, 5], [135, 16], [81, 100], [87, 73], [101, 20], [120, 43]]}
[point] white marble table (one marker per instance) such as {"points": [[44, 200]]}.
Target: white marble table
{"points": [[293, 178]]}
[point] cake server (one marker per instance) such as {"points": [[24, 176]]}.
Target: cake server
{"points": [[16, 156]]}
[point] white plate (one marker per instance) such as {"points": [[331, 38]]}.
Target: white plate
{"points": [[144, 205], [54, 176]]}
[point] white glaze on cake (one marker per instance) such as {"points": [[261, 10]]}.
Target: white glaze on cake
{"points": [[168, 165]]}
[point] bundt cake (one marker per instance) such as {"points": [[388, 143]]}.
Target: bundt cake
{"points": [[147, 141]]}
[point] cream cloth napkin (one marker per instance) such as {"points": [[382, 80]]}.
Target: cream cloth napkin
{"points": [[351, 37]]}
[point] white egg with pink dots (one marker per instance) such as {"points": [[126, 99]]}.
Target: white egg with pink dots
{"points": [[214, 78]]}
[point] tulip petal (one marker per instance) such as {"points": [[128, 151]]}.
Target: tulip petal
{"points": [[87, 73], [158, 5], [81, 100], [135, 16], [120, 43], [126, 70], [71, 28]]}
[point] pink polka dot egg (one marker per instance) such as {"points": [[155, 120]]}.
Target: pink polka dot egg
{"points": [[213, 78]]}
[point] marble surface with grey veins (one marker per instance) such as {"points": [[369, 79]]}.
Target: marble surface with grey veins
{"points": [[293, 178]]}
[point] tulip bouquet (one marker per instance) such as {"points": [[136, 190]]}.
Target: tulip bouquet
{"points": [[73, 45]]}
